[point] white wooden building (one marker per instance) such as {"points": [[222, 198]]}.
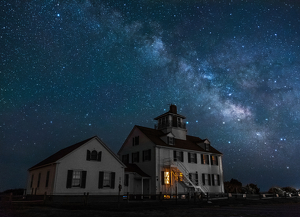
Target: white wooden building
{"points": [[167, 160], [86, 167]]}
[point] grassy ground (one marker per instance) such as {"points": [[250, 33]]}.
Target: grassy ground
{"points": [[224, 207]]}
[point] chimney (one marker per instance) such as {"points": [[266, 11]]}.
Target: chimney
{"points": [[173, 109]]}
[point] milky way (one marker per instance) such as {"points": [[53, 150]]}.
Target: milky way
{"points": [[74, 69]]}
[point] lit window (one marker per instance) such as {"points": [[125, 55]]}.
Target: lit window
{"points": [[204, 159], [214, 160], [167, 178]]}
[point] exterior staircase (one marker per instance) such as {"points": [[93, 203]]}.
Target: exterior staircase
{"points": [[179, 168]]}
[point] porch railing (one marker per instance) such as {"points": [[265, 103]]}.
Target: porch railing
{"points": [[185, 172]]}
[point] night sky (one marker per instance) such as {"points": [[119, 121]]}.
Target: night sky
{"points": [[70, 70]]}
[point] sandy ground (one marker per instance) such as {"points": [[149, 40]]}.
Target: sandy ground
{"points": [[233, 208]]}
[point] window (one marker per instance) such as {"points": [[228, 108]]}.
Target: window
{"points": [[165, 178], [47, 179], [39, 179], [192, 157], [194, 178], [206, 179], [76, 179], [135, 157], [215, 179], [31, 181], [170, 140], [126, 180], [204, 159], [135, 140], [125, 158], [178, 156], [106, 179], [214, 160], [147, 155], [206, 146], [93, 155]]}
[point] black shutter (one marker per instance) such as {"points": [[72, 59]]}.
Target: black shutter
{"points": [[168, 140], [202, 161], [209, 182], [207, 158], [174, 156], [133, 141], [181, 154], [113, 177], [213, 179], [197, 181], [137, 140], [99, 155], [217, 163], [190, 176], [211, 160], [100, 181], [69, 178], [88, 155], [203, 178], [162, 177], [149, 154], [143, 155], [189, 157], [83, 179], [196, 156], [219, 180], [138, 156]]}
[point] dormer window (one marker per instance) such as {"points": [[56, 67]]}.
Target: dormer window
{"points": [[170, 140], [207, 146]]}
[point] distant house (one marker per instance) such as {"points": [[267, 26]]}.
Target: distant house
{"points": [[165, 159], [88, 166]]}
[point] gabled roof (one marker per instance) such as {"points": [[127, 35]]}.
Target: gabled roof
{"points": [[190, 143], [134, 168], [63, 152]]}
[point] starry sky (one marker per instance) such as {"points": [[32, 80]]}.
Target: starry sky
{"points": [[70, 70]]}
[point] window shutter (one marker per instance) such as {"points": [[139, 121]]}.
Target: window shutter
{"points": [[174, 156], [69, 178], [132, 155], [219, 180], [83, 179], [207, 158], [162, 177], [213, 179], [100, 181], [217, 163], [88, 155], [189, 157], [133, 141], [211, 160], [196, 158], [99, 155], [149, 154], [113, 177], [202, 161], [190, 176], [168, 140], [138, 157], [181, 154], [203, 178], [126, 181], [137, 140], [209, 182], [143, 155]]}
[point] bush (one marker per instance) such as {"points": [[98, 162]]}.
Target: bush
{"points": [[251, 189], [233, 186]]}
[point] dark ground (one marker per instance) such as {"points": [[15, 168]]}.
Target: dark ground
{"points": [[222, 207]]}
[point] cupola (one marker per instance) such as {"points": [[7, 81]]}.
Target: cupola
{"points": [[172, 122]]}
